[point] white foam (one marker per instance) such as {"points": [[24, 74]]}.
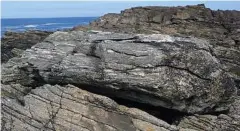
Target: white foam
{"points": [[30, 26], [52, 23]]}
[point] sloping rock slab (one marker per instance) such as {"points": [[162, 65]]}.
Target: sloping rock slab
{"points": [[58, 108]]}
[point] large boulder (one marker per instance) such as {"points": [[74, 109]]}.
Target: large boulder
{"points": [[179, 73]]}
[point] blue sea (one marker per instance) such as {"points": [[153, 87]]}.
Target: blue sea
{"points": [[47, 24]]}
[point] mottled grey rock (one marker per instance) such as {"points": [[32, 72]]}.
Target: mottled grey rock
{"points": [[173, 72]]}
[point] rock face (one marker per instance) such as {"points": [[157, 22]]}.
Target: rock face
{"points": [[171, 72], [14, 43], [190, 20], [222, 28]]}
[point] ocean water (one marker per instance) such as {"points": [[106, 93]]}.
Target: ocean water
{"points": [[47, 24]]}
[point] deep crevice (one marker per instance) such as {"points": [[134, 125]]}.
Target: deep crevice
{"points": [[170, 116]]}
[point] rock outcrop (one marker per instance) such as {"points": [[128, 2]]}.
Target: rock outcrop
{"points": [[14, 43], [221, 28], [105, 81], [190, 20]]}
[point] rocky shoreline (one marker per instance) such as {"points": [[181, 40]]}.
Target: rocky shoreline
{"points": [[14, 43], [145, 69]]}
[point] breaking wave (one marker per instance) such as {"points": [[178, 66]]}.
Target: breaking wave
{"points": [[30, 26]]}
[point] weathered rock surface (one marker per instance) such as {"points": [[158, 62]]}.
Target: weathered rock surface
{"points": [[222, 122], [14, 43], [66, 108], [221, 28], [172, 72]]}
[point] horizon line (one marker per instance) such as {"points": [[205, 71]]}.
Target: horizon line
{"points": [[49, 17]]}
